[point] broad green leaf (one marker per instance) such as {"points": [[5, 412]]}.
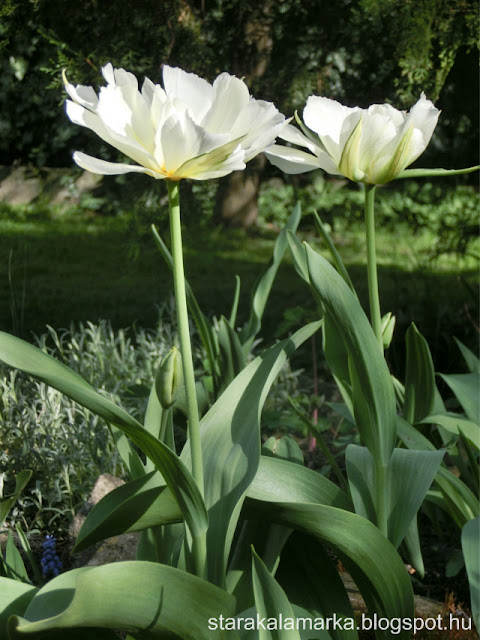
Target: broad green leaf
{"points": [[142, 598], [471, 360], [303, 561], [15, 597], [434, 173], [21, 481], [419, 378], [471, 554], [409, 476], [283, 448], [465, 386], [230, 433], [147, 501], [337, 357], [454, 423], [454, 497], [373, 394], [374, 564], [280, 481], [265, 283], [21, 355], [271, 602], [136, 505]]}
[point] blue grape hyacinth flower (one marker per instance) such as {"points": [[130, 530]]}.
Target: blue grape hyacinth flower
{"points": [[51, 564]]}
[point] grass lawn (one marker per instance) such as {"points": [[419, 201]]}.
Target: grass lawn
{"points": [[72, 266]]}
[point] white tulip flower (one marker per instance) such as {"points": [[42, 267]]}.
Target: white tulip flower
{"points": [[187, 129], [366, 145]]}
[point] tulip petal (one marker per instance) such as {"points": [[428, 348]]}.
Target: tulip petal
{"points": [[193, 91], [230, 98], [292, 161], [95, 165]]}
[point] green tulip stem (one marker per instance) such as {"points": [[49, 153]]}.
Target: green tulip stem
{"points": [[199, 546], [375, 316]]}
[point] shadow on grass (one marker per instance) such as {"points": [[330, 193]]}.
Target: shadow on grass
{"points": [[54, 275]]}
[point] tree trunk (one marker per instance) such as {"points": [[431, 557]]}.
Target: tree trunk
{"points": [[236, 203], [237, 196]]}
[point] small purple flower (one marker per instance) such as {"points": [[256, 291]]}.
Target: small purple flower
{"points": [[50, 561]]}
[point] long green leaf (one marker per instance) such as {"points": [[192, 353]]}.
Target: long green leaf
{"points": [[142, 598], [337, 259], [373, 562], [265, 283], [465, 386], [419, 378], [372, 388], [471, 360], [456, 498], [454, 423], [136, 505], [310, 579], [24, 356], [230, 434], [435, 173], [471, 554], [271, 602], [409, 476]]}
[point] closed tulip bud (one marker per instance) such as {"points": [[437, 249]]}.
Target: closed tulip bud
{"points": [[169, 378]]}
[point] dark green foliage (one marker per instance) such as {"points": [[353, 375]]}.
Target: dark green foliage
{"points": [[286, 50]]}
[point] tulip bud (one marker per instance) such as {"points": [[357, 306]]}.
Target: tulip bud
{"points": [[388, 325], [169, 378]]}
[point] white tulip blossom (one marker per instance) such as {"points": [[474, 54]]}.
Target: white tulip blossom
{"points": [[187, 129], [366, 145]]}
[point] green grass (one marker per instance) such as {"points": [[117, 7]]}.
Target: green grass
{"points": [[58, 267]]}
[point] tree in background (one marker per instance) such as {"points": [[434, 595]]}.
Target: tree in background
{"points": [[358, 52]]}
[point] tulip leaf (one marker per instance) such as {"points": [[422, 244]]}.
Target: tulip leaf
{"points": [[471, 554], [412, 543], [409, 476], [230, 433], [265, 283], [419, 378], [15, 596], [101, 597], [454, 497], [373, 395], [435, 173], [471, 360], [465, 386], [284, 448], [337, 260], [138, 504], [26, 357], [271, 603], [299, 258], [455, 423], [281, 481], [232, 357], [13, 563], [376, 567], [303, 561]]}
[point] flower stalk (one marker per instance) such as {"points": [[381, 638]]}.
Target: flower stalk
{"points": [[193, 421], [375, 315]]}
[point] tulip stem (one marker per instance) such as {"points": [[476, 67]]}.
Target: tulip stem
{"points": [[375, 316], [199, 546]]}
